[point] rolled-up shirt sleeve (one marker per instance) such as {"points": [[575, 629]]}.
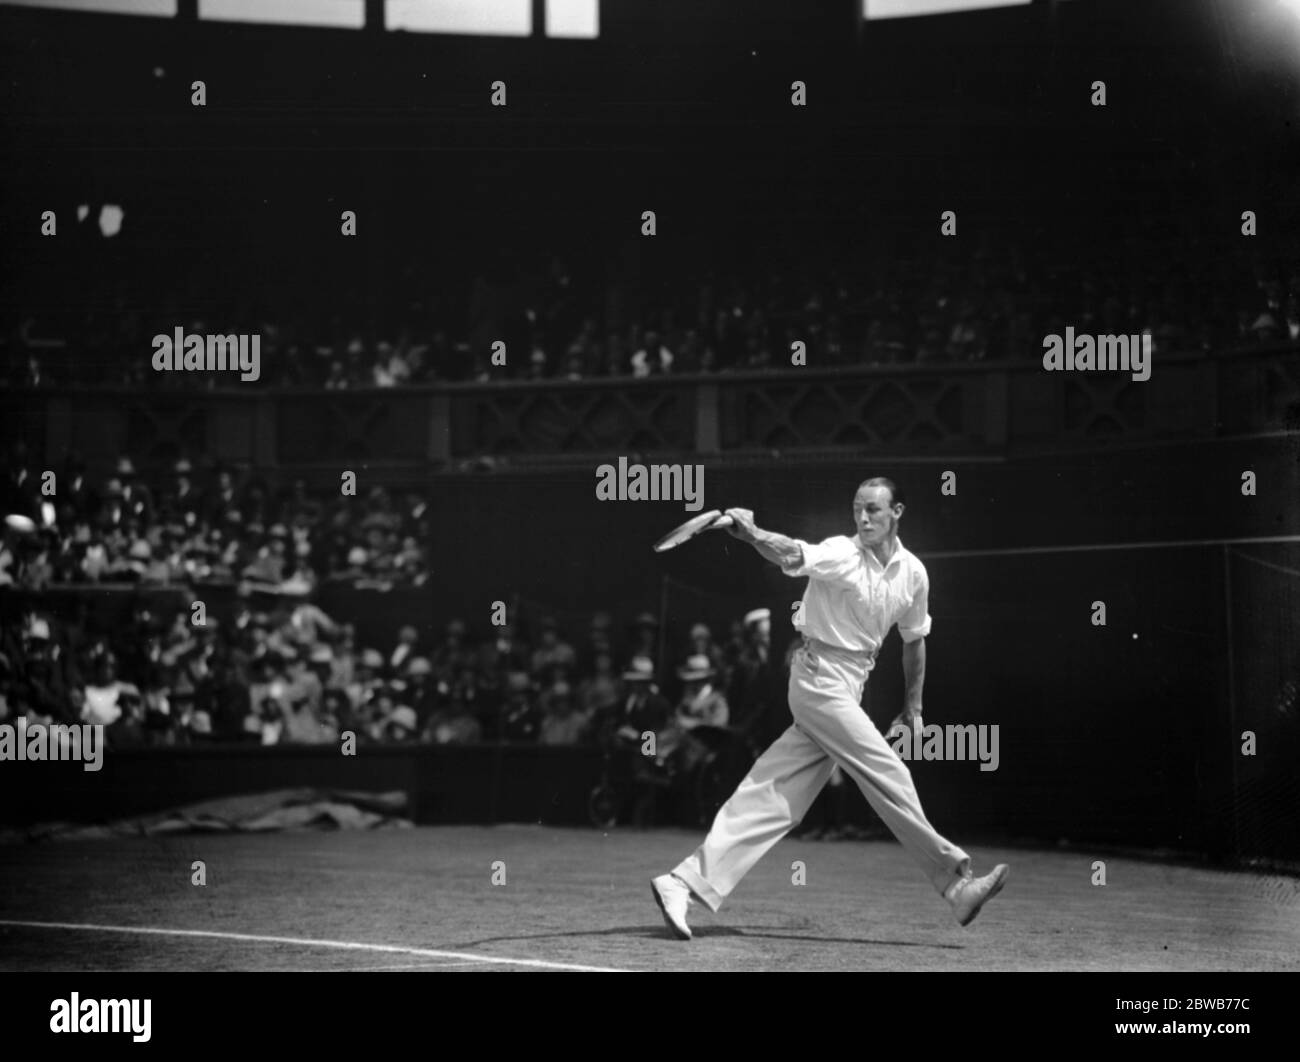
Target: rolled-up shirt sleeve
{"points": [[914, 624], [832, 560]]}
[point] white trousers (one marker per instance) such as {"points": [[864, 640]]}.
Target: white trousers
{"points": [[829, 728]]}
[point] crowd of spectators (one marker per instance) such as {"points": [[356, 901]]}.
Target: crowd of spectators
{"points": [[993, 303], [288, 673], [276, 668], [203, 525]]}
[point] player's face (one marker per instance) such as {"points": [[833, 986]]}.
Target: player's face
{"points": [[873, 515]]}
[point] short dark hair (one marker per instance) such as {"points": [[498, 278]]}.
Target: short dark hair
{"points": [[895, 492]]}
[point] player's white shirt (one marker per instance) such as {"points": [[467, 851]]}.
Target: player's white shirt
{"points": [[852, 600]]}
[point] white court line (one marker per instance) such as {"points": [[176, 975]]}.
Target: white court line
{"points": [[345, 945], [412, 966]]}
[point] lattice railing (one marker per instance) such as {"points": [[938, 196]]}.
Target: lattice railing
{"points": [[374, 425], [918, 412], [573, 419], [994, 408]]}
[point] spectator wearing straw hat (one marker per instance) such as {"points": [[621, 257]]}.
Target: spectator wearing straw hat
{"points": [[701, 705], [644, 709]]}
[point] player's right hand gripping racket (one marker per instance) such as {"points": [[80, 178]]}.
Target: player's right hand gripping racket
{"points": [[713, 520]]}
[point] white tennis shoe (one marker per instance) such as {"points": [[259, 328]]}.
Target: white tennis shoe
{"points": [[673, 898], [968, 894]]}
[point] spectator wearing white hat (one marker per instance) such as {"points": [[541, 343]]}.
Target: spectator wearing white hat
{"points": [[701, 705], [758, 632], [644, 709], [756, 691]]}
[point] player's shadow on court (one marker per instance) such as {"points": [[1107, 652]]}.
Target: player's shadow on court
{"points": [[705, 932], [765, 933]]}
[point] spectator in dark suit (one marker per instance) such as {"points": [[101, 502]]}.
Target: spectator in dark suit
{"points": [[757, 690], [644, 709]]}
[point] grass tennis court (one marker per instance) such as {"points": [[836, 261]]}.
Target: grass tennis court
{"points": [[423, 899]]}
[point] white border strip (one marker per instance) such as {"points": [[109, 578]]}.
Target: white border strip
{"points": [[344, 945], [875, 9], [157, 8], [338, 14]]}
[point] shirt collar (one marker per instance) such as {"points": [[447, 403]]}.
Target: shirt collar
{"points": [[871, 558]]}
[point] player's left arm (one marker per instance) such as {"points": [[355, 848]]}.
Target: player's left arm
{"points": [[913, 626], [914, 683]]}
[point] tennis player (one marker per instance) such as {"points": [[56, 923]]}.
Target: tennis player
{"points": [[857, 589]]}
